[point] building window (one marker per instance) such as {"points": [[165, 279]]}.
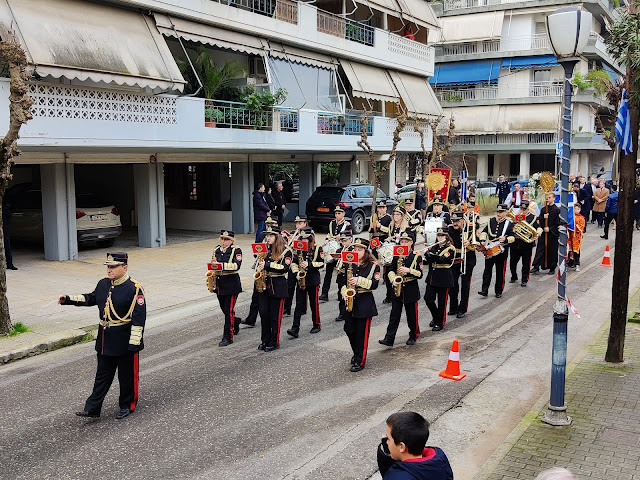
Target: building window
{"points": [[542, 75]]}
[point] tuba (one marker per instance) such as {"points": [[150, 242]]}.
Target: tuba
{"points": [[522, 229], [350, 292], [398, 280], [260, 275]]}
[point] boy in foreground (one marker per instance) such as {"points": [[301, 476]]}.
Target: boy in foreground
{"points": [[403, 454]]}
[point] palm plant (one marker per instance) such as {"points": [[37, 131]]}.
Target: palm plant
{"points": [[215, 78]]}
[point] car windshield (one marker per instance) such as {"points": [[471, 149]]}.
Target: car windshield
{"points": [[327, 194], [90, 200]]}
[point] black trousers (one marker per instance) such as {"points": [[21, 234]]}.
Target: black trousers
{"points": [[390, 294], [326, 285], [465, 290], [271, 309], [127, 366], [608, 218], [575, 261], [357, 330], [411, 309], [456, 270], [438, 310], [291, 285], [342, 307], [312, 292], [500, 264], [514, 257], [253, 308], [551, 261], [228, 305]]}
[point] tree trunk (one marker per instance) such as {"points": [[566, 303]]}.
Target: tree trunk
{"points": [[623, 245]]}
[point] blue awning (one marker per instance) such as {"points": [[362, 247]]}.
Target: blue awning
{"points": [[529, 62], [612, 73], [466, 73]]}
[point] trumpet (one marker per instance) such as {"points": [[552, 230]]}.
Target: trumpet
{"points": [[349, 292], [260, 275]]}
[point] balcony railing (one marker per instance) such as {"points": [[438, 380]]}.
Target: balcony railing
{"points": [[490, 92], [339, 124], [285, 10], [507, 139], [545, 89], [345, 28], [238, 115], [506, 44], [459, 95]]}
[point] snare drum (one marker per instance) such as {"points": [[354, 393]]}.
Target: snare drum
{"points": [[385, 253], [331, 247], [492, 249], [431, 226]]}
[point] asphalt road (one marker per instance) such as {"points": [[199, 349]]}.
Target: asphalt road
{"points": [[239, 413]]}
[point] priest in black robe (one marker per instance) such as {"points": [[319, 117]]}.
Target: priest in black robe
{"points": [[546, 257]]}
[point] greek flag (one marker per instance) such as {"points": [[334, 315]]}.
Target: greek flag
{"points": [[464, 180], [623, 125]]}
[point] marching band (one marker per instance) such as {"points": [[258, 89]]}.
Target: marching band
{"points": [[452, 240]]}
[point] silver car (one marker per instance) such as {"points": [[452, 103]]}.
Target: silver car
{"points": [[484, 188], [406, 192]]}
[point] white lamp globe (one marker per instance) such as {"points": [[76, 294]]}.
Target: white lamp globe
{"points": [[568, 30]]}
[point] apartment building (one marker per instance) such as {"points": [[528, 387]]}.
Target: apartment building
{"points": [[111, 115], [497, 74]]}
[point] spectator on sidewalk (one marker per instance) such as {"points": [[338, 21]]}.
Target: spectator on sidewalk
{"points": [[260, 209], [279, 203], [600, 201], [502, 189], [454, 196], [403, 454], [421, 199], [611, 211]]}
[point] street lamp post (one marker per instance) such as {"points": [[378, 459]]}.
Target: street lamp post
{"points": [[568, 30]]}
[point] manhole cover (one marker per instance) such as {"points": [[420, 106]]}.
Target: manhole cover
{"points": [[620, 437]]}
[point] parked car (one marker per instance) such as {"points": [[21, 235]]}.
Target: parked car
{"points": [[484, 188], [96, 219], [355, 198], [406, 192]]}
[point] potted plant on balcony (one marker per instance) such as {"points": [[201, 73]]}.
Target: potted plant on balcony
{"points": [[212, 116], [260, 106]]}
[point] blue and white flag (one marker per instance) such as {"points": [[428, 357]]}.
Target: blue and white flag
{"points": [[464, 182], [623, 125]]}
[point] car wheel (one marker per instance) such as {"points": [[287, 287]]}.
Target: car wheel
{"points": [[357, 223], [106, 243]]}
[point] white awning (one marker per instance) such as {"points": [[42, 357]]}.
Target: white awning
{"points": [[537, 118], [209, 35], [419, 12], [467, 28], [81, 40], [298, 55], [416, 94], [370, 82]]}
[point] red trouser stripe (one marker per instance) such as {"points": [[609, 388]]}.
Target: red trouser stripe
{"points": [[528, 274], [280, 310], [317, 306], [466, 308], [504, 272], [417, 324], [232, 315], [365, 347], [136, 377], [446, 300]]}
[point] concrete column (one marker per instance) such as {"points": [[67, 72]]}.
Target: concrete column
{"points": [[574, 162], [482, 167], [318, 169], [308, 182], [525, 165], [59, 211], [241, 200], [388, 180], [149, 187]]}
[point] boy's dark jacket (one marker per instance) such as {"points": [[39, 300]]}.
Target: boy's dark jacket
{"points": [[435, 468]]}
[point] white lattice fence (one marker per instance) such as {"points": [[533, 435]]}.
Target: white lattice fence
{"points": [[57, 101], [404, 46], [409, 131]]}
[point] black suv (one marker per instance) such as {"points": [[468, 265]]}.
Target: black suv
{"points": [[354, 198]]}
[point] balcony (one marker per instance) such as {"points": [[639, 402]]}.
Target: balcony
{"points": [[494, 47], [345, 28], [283, 10], [462, 5], [492, 94], [505, 141], [489, 92], [93, 120]]}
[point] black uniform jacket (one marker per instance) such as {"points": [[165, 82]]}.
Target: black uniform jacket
{"points": [[493, 230], [410, 289], [469, 257], [341, 271], [364, 305], [316, 263], [123, 312], [383, 232], [440, 259], [228, 279], [335, 229], [442, 215], [395, 233], [553, 222], [416, 219], [276, 274], [519, 244]]}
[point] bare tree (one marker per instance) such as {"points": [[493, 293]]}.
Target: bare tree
{"points": [[440, 144], [20, 103]]}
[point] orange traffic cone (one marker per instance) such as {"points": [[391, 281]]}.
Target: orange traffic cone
{"points": [[452, 371], [606, 260]]}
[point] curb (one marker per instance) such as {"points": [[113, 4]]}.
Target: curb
{"points": [[46, 343]]}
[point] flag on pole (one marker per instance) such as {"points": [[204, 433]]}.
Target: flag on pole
{"points": [[464, 181], [623, 125]]}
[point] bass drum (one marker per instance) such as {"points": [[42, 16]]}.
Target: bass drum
{"points": [[431, 226], [385, 253], [331, 247]]}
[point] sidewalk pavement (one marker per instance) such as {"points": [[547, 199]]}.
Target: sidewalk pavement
{"points": [[603, 441]]}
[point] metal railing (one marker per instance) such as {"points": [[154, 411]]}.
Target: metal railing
{"points": [[338, 26], [285, 10], [342, 124], [506, 139], [238, 115], [545, 89], [458, 95], [490, 92]]}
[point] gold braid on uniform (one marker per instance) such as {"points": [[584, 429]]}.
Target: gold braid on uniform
{"points": [[110, 312]]}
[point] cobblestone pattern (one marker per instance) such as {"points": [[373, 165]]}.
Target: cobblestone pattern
{"points": [[603, 442]]}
